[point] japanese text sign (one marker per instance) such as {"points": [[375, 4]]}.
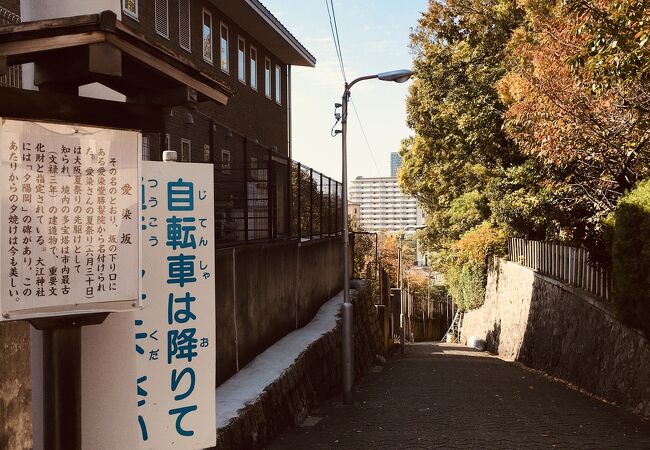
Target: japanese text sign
{"points": [[69, 222], [175, 331]]}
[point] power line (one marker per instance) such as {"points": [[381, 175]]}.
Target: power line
{"points": [[338, 40], [335, 37], [365, 137], [337, 46]]}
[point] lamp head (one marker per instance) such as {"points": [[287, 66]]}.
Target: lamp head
{"points": [[398, 76]]}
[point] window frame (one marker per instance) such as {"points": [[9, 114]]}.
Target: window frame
{"points": [[129, 13], [268, 82], [224, 169], [254, 74], [155, 7], [146, 148], [205, 12], [189, 155], [207, 151], [278, 84], [189, 25], [241, 76], [221, 52]]}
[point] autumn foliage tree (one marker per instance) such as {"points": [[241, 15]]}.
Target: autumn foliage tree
{"points": [[597, 141], [531, 118]]}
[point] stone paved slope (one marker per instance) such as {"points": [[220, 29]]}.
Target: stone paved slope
{"points": [[448, 396]]}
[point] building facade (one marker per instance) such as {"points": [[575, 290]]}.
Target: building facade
{"points": [[241, 46], [383, 205], [395, 163]]}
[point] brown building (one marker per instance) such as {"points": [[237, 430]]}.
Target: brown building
{"points": [[241, 47]]}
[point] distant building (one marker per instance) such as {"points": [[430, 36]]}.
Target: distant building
{"points": [[384, 207], [354, 212], [395, 163]]}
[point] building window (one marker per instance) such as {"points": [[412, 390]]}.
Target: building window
{"points": [[253, 68], [225, 161], [253, 167], [186, 150], [184, 31], [267, 77], [225, 50], [130, 8], [207, 36], [146, 148], [167, 142], [241, 60], [206, 153], [162, 17], [278, 84]]}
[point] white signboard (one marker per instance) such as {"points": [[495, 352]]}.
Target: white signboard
{"points": [[175, 334], [69, 221]]}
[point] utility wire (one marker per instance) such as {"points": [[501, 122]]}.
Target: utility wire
{"points": [[365, 137], [338, 40], [335, 37], [337, 46]]}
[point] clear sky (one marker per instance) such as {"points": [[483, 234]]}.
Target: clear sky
{"points": [[374, 37]]}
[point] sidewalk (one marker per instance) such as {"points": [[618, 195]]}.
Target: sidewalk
{"points": [[448, 396]]}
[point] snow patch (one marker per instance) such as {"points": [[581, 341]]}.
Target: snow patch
{"points": [[246, 386]]}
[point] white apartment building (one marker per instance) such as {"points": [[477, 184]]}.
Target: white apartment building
{"points": [[384, 207]]}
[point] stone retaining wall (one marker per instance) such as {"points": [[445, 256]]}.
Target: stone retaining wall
{"points": [[315, 376], [563, 332]]}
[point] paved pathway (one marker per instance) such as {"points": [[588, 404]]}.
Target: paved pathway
{"points": [[447, 396]]}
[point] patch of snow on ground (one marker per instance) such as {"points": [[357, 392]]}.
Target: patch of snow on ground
{"points": [[249, 383]]}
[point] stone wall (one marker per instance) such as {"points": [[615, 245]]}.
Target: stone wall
{"points": [[564, 332], [315, 376]]}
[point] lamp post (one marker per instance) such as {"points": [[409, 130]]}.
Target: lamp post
{"points": [[400, 273], [398, 76]]}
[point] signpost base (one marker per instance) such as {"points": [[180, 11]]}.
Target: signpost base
{"points": [[62, 389]]}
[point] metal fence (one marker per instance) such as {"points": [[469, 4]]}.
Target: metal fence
{"points": [[13, 77], [261, 195], [568, 264]]}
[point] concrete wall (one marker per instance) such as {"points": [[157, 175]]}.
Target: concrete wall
{"points": [[266, 291], [314, 377], [564, 332], [15, 387]]}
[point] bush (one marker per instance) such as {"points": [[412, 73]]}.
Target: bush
{"points": [[631, 258], [466, 284], [467, 270]]}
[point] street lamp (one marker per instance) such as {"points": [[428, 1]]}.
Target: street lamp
{"points": [[400, 269], [398, 76]]}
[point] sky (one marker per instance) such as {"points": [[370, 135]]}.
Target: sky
{"points": [[374, 37]]}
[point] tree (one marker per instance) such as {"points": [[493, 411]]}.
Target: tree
{"points": [[594, 141], [389, 256], [615, 41]]}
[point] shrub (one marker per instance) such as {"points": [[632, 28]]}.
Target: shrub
{"points": [[467, 271], [631, 258]]}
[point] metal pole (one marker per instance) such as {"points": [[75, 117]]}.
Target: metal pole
{"points": [[401, 295], [348, 339]]}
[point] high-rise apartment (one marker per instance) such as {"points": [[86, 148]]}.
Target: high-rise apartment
{"points": [[395, 163], [384, 207]]}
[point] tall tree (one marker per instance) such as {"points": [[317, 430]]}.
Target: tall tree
{"points": [[594, 139]]}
